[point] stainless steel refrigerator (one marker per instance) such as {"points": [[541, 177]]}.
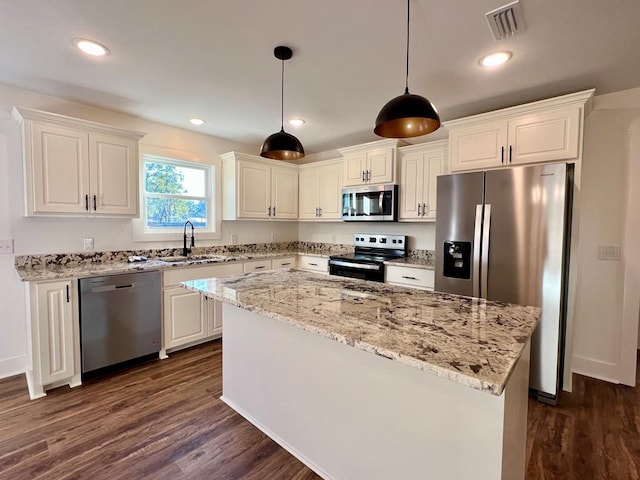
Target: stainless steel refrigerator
{"points": [[504, 235]]}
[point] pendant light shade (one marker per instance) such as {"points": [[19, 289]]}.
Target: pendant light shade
{"points": [[282, 145], [408, 115]]}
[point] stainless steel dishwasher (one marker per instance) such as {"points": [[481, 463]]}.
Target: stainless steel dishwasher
{"points": [[120, 318]]}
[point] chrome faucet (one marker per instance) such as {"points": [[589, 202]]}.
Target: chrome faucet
{"points": [[186, 251]]}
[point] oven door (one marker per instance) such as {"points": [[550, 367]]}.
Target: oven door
{"points": [[363, 271]]}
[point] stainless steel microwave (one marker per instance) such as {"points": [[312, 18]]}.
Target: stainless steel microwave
{"points": [[370, 203]]}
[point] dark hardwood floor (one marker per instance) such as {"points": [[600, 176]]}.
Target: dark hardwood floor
{"points": [[164, 419]]}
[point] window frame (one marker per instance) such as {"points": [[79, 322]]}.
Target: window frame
{"points": [[213, 193]]}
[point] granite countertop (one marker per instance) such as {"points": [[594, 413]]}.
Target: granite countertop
{"points": [[468, 340], [83, 270], [423, 263]]}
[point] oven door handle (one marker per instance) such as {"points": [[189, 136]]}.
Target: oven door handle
{"points": [[360, 266]]}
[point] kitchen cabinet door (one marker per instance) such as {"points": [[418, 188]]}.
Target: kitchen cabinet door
{"points": [[254, 190], [55, 322], [57, 170], [545, 136], [355, 167], [184, 317], [381, 165], [478, 146], [420, 166], [284, 193], [114, 175], [309, 199], [411, 183], [330, 207], [213, 313]]}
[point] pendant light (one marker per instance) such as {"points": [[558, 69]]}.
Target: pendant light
{"points": [[282, 145], [407, 115]]}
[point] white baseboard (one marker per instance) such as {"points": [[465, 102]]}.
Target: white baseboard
{"points": [[590, 367], [319, 471], [12, 366]]}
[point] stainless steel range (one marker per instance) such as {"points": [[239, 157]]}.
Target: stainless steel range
{"points": [[371, 251]]}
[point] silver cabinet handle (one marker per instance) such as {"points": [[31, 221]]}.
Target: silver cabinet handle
{"points": [[424, 209], [269, 211], [259, 267], [68, 294], [86, 202], [319, 212], [285, 264], [502, 155], [316, 211], [510, 153], [409, 278], [274, 211], [368, 176], [363, 179], [418, 209], [95, 203], [313, 264]]}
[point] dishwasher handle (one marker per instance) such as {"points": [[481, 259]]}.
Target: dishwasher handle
{"points": [[123, 286]]}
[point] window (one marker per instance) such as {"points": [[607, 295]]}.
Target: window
{"points": [[172, 191]]}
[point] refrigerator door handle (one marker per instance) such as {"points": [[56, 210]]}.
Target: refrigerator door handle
{"points": [[477, 237], [484, 265]]}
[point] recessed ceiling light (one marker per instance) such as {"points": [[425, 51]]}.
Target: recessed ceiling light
{"points": [[90, 47], [197, 121], [495, 59], [296, 122]]}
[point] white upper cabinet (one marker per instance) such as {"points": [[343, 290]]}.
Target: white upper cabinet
{"points": [[74, 167], [370, 163], [544, 131], [321, 191], [420, 166], [258, 189]]}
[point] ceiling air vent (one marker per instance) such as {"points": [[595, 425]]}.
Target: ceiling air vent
{"points": [[506, 21]]}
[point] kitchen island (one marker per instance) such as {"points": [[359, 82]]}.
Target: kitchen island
{"points": [[362, 380]]}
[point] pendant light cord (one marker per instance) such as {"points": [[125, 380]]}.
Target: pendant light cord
{"points": [[406, 78], [282, 99]]}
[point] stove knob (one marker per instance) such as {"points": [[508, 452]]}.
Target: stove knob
{"points": [[383, 240], [399, 241], [394, 241]]}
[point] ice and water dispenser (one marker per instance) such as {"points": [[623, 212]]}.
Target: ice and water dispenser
{"points": [[457, 259]]}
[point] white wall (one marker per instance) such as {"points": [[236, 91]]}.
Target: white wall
{"points": [[51, 235], [598, 323]]}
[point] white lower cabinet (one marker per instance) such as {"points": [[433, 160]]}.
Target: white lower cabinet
{"points": [[188, 317], [313, 263], [256, 266], [54, 336], [287, 262], [410, 277]]}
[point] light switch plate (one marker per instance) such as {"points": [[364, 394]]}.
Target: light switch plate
{"points": [[609, 252], [88, 243], [234, 239], [6, 246]]}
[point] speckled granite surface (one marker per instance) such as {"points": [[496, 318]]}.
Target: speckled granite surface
{"points": [[413, 262], [468, 340], [88, 264]]}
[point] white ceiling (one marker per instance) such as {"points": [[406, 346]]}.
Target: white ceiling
{"points": [[172, 60]]}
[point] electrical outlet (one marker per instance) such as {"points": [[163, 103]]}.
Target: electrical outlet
{"points": [[274, 237], [333, 238], [6, 245], [234, 239], [88, 243], [609, 252]]}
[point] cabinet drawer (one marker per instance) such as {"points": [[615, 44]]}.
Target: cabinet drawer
{"points": [[174, 276], [289, 262], [315, 264], [257, 266], [411, 277]]}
